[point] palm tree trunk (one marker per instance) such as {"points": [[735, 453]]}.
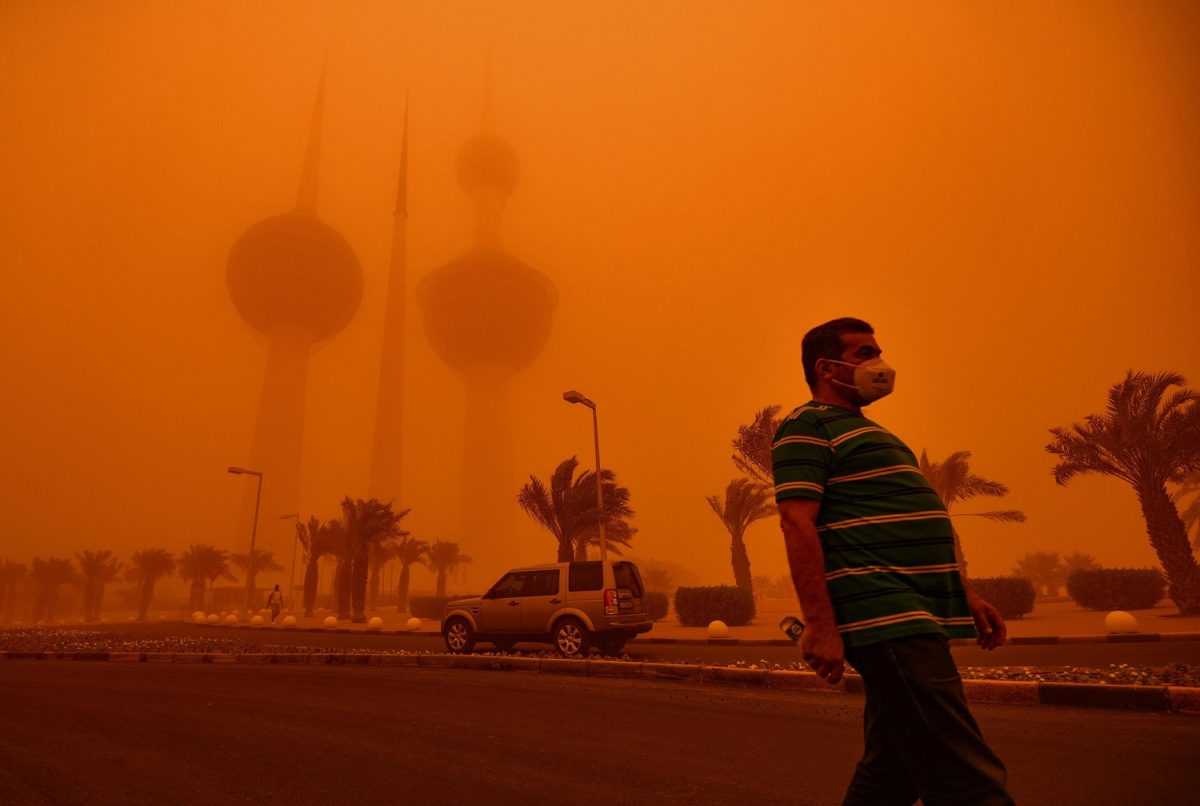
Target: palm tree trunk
{"points": [[145, 599], [740, 559], [1169, 538], [98, 601], [51, 601], [402, 589], [358, 585], [441, 583], [580, 550], [88, 589], [341, 588], [373, 587], [311, 578], [196, 598]]}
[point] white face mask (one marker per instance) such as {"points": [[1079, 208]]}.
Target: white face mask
{"points": [[872, 379]]}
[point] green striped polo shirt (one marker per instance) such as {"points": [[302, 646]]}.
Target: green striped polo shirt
{"points": [[886, 535]]}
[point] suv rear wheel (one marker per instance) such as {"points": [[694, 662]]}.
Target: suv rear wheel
{"points": [[571, 638], [459, 636]]}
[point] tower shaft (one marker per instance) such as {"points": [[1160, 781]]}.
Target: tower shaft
{"points": [[387, 452]]}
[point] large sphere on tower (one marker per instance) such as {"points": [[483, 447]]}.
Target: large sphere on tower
{"points": [[487, 307], [295, 271], [487, 161]]}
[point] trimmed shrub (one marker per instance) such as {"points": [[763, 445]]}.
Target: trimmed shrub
{"points": [[657, 604], [1012, 596], [1116, 588], [696, 607], [430, 606]]}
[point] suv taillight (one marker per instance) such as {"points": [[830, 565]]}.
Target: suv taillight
{"points": [[610, 602]]}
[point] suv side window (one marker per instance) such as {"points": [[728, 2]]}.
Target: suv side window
{"points": [[627, 577], [585, 576], [542, 583]]}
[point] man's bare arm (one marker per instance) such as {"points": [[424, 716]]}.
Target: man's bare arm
{"points": [[821, 642]]}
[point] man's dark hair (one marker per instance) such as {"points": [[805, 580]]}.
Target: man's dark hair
{"points": [[825, 341]]}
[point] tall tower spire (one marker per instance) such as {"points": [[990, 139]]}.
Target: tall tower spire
{"points": [[306, 202], [387, 452]]}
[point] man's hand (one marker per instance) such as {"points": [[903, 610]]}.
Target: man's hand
{"points": [[988, 621], [824, 652]]}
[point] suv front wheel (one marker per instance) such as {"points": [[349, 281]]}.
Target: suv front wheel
{"points": [[571, 638], [459, 636]]}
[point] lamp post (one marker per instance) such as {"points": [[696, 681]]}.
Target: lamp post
{"points": [[295, 540], [250, 560], [575, 397]]}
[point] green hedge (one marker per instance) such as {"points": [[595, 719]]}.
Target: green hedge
{"points": [[1116, 588], [696, 607], [429, 606], [1012, 596], [657, 604]]}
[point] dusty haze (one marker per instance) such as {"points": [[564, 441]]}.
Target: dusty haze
{"points": [[1008, 193]]}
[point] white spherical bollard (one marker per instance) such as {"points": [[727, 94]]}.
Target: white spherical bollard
{"points": [[231, 619], [198, 617], [1119, 622], [413, 623], [289, 621], [236, 612], [330, 622], [718, 629], [213, 618], [376, 623], [257, 621]]}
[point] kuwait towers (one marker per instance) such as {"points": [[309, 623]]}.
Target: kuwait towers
{"points": [[487, 315], [296, 281]]}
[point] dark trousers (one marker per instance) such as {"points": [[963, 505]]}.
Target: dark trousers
{"points": [[921, 740]]}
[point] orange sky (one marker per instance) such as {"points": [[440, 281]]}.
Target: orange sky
{"points": [[1008, 193]]}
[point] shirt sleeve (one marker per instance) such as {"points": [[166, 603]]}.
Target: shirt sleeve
{"points": [[801, 457]]}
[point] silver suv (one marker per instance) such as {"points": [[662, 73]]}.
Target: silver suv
{"points": [[573, 606]]}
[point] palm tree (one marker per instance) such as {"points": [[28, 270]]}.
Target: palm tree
{"points": [[202, 563], [146, 568], [1077, 561], [567, 509], [1147, 440], [319, 540], [261, 562], [953, 481], [752, 446], [97, 568], [444, 557], [48, 576], [1043, 568], [409, 551], [746, 501], [12, 574], [368, 523]]}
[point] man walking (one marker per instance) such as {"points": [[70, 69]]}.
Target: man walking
{"points": [[871, 551], [275, 603]]}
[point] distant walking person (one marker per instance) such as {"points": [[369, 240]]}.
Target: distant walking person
{"points": [[871, 551], [275, 603]]}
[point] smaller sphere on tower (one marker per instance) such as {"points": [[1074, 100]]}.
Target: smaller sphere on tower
{"points": [[487, 161]]}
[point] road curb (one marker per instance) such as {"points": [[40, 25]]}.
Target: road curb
{"points": [[1028, 640], [1161, 699]]}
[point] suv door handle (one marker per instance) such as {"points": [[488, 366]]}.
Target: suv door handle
{"points": [[556, 601], [513, 603]]}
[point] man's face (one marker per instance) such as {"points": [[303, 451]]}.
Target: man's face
{"points": [[856, 349]]}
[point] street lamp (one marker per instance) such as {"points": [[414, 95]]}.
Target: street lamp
{"points": [[576, 397], [250, 560], [295, 540]]}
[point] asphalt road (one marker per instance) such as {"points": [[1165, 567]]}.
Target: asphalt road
{"points": [[1092, 655], [78, 732]]}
